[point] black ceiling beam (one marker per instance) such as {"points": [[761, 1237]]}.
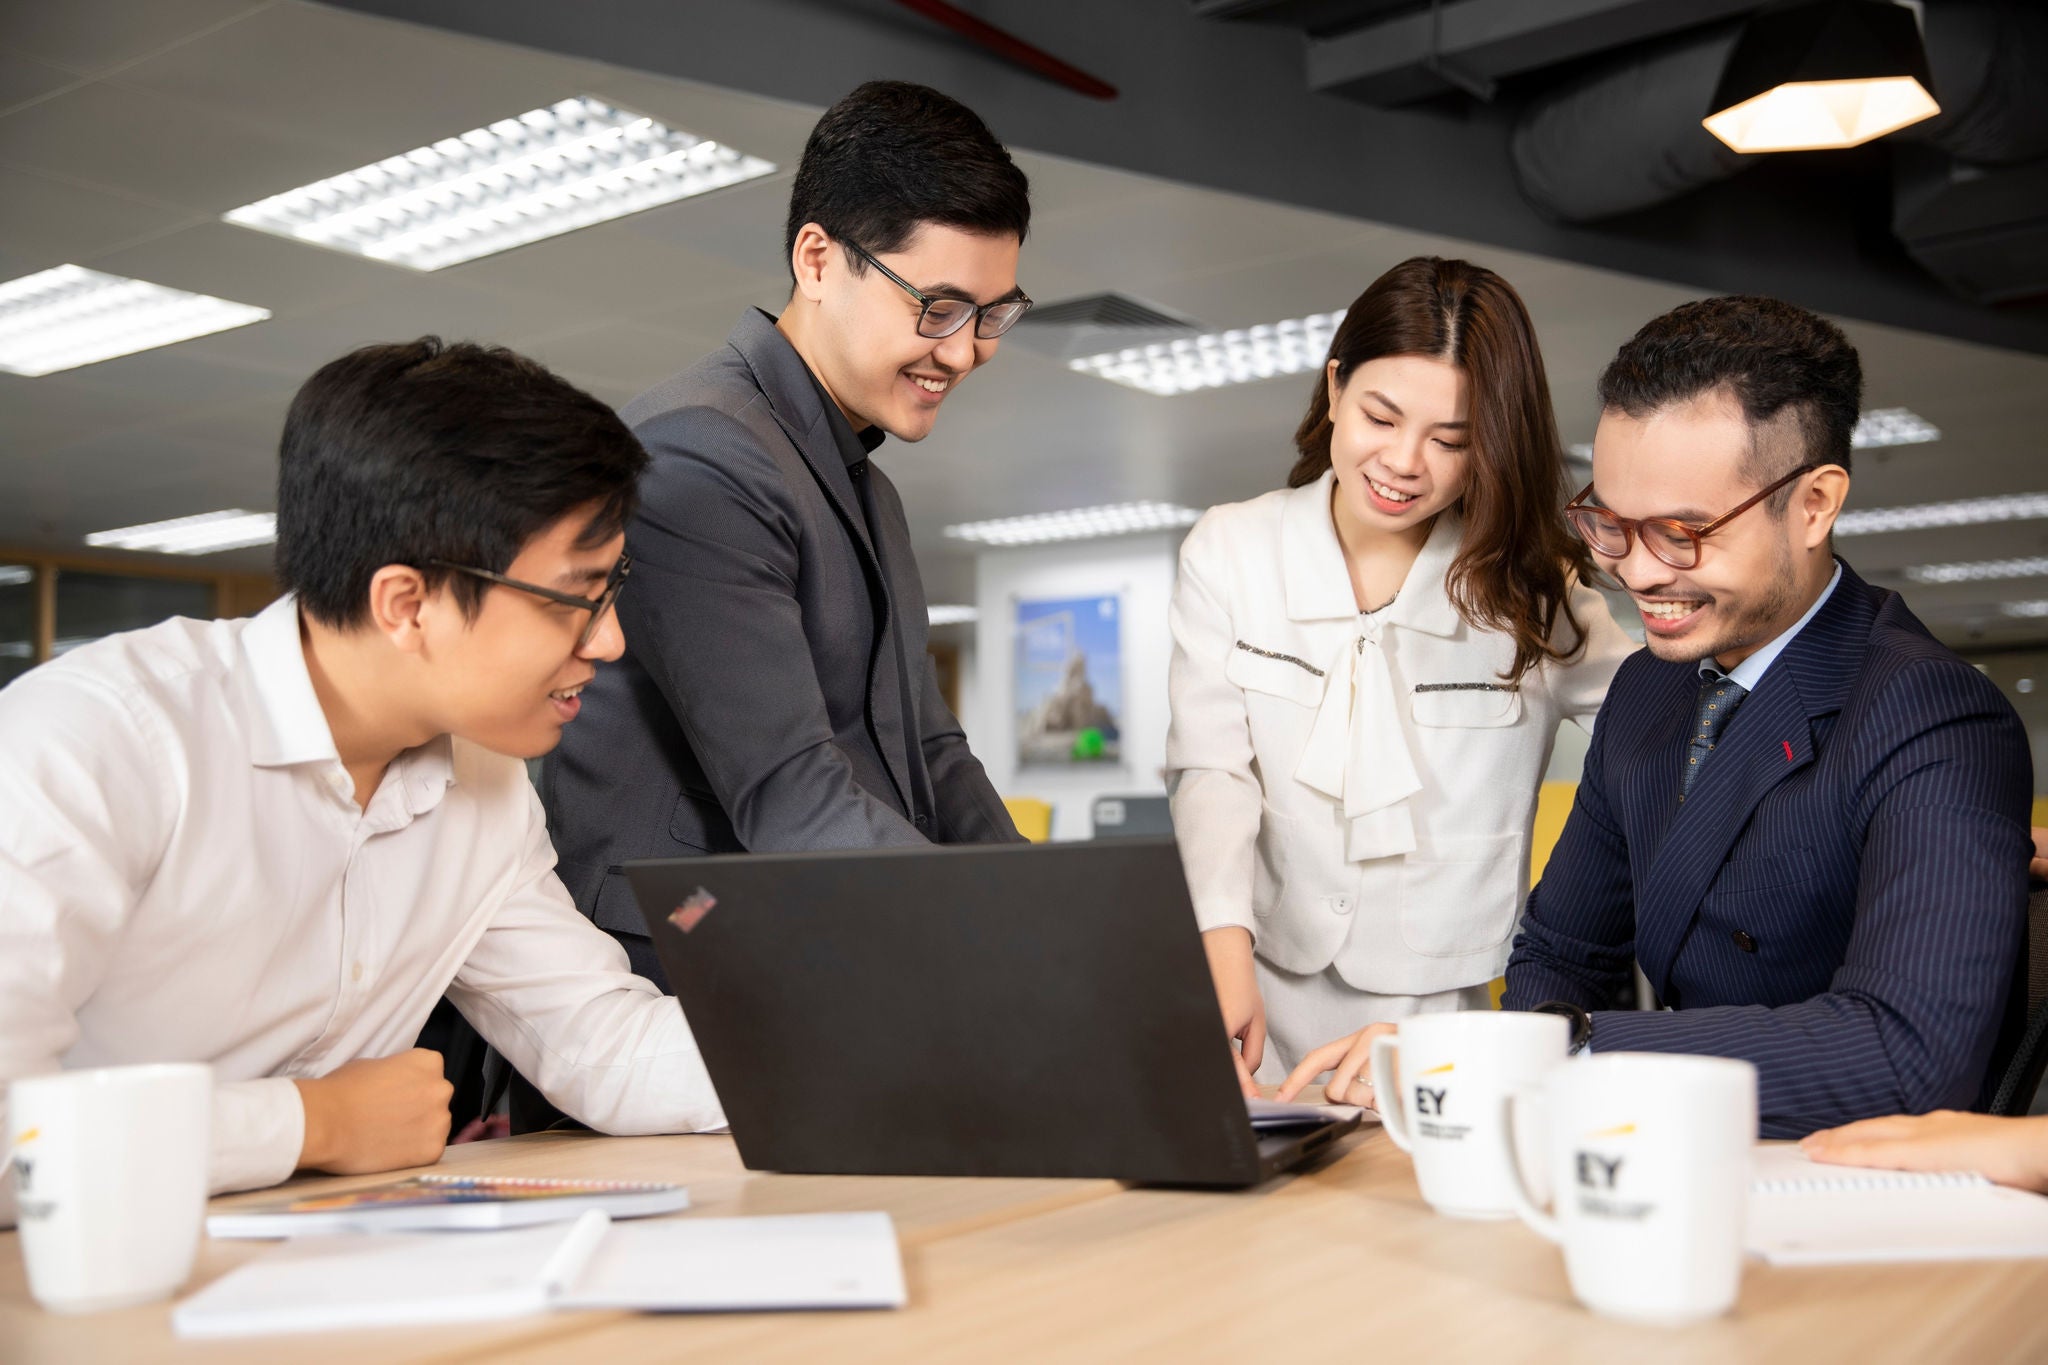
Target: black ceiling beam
{"points": [[1313, 16], [1400, 61]]}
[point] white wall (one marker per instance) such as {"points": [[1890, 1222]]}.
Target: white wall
{"points": [[1140, 570]]}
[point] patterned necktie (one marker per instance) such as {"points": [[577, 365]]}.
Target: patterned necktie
{"points": [[1719, 696]]}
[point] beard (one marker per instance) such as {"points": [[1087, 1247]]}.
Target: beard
{"points": [[1738, 623]]}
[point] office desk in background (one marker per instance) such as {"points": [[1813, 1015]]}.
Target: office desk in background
{"points": [[1343, 1258]]}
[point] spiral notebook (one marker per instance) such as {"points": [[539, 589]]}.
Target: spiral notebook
{"points": [[1805, 1213], [669, 1265]]}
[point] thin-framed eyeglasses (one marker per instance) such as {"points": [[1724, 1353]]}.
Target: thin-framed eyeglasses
{"points": [[597, 606], [944, 316], [1675, 542]]}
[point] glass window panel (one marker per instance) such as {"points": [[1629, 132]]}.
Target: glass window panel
{"points": [[17, 621], [92, 605]]}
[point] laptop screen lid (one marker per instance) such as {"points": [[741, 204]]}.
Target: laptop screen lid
{"points": [[995, 1010]]}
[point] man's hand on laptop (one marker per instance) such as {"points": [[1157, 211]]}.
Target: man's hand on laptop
{"points": [[376, 1114], [1349, 1062], [1237, 991]]}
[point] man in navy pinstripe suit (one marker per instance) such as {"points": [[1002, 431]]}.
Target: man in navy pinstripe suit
{"points": [[1803, 816]]}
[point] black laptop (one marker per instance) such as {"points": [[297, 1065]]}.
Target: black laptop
{"points": [[992, 1010]]}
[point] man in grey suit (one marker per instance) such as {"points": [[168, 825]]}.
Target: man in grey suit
{"points": [[775, 693]]}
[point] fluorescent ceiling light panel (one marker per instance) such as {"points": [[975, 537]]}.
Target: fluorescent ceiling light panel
{"points": [[1979, 571], [952, 614], [1216, 359], [16, 575], [544, 173], [2029, 610], [1085, 523], [68, 316], [208, 533], [1892, 427], [1927, 516]]}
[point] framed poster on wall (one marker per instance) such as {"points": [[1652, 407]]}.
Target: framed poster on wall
{"points": [[1068, 692]]}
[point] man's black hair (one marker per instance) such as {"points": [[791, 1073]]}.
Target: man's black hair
{"points": [[422, 450], [891, 157], [1772, 356]]}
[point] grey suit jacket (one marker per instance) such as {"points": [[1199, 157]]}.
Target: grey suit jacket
{"points": [[760, 704]]}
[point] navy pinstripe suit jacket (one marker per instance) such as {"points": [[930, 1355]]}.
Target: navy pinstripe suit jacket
{"points": [[1842, 897]]}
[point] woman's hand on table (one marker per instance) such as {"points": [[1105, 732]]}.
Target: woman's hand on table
{"points": [[1237, 992], [2009, 1151], [1349, 1060]]}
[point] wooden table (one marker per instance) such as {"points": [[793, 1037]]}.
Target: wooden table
{"points": [[1344, 1257]]}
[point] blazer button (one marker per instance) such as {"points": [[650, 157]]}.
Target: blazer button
{"points": [[1744, 941], [921, 820], [1341, 904]]}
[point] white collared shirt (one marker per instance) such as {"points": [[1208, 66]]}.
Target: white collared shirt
{"points": [[1750, 671], [185, 876]]}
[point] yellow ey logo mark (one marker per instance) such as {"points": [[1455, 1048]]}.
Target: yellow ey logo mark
{"points": [[1437, 1070], [1619, 1130], [28, 1136]]}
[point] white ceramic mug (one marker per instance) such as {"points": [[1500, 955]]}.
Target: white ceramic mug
{"points": [[110, 1174], [1439, 1082], [1649, 1154]]}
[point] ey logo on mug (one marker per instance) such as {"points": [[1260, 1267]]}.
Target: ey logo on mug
{"points": [[1599, 1177], [1428, 1101]]}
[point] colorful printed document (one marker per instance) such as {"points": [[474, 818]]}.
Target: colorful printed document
{"points": [[436, 1202]]}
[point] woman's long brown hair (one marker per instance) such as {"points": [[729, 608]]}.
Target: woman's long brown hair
{"points": [[1514, 570]]}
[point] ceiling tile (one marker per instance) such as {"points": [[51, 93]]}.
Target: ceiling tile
{"points": [[24, 78], [212, 257], [54, 221], [169, 150], [92, 35], [372, 85]]}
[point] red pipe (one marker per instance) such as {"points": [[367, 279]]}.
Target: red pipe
{"points": [[1011, 49]]}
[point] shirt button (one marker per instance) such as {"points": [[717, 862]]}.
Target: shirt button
{"points": [[1744, 941], [355, 973]]}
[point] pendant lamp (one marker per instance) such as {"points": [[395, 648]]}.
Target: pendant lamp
{"points": [[1823, 74]]}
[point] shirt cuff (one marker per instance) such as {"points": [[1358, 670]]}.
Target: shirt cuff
{"points": [[259, 1129]]}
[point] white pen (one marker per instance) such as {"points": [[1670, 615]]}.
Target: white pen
{"points": [[574, 1253]]}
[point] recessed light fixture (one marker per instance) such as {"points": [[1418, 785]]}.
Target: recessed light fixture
{"points": [[205, 534], [2028, 610], [1892, 427], [1831, 73], [952, 614], [1927, 516], [1978, 571], [1085, 523], [1215, 359], [546, 172], [67, 316]]}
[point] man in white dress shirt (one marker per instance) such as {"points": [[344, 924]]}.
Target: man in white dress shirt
{"points": [[273, 844]]}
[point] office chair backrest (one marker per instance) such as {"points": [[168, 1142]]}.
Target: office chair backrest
{"points": [[2021, 1056]]}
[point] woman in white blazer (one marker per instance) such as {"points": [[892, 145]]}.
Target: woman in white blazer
{"points": [[1368, 673]]}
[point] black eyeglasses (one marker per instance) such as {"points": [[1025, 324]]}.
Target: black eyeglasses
{"points": [[1675, 542], [597, 606], [942, 316]]}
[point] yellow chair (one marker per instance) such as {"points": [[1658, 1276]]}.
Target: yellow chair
{"points": [[1553, 804], [1032, 817]]}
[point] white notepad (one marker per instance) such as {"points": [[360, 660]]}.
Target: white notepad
{"points": [[838, 1260], [1805, 1213]]}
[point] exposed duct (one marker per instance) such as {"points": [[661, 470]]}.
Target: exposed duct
{"points": [[1969, 208], [1629, 136]]}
